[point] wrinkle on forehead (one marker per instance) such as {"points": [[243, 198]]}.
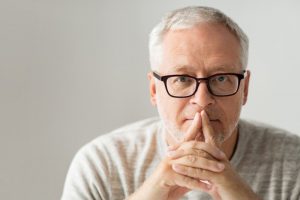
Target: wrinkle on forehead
{"points": [[207, 47], [189, 69]]}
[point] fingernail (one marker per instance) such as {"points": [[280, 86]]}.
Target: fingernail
{"points": [[223, 154], [202, 112], [220, 166]]}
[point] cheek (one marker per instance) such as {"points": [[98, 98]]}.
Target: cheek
{"points": [[231, 113], [169, 108], [233, 108]]}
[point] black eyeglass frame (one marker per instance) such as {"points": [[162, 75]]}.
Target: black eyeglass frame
{"points": [[198, 81]]}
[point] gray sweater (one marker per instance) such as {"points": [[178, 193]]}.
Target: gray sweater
{"points": [[114, 165]]}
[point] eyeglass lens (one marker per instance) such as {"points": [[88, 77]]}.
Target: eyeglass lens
{"points": [[218, 85]]}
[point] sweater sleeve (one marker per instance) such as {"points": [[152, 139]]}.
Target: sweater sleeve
{"points": [[87, 176]]}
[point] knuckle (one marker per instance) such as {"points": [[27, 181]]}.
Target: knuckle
{"points": [[195, 172], [191, 158], [192, 144], [203, 154], [195, 152], [182, 151], [186, 179], [199, 172], [190, 171]]}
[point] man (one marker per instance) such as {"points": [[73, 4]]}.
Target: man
{"points": [[199, 148]]}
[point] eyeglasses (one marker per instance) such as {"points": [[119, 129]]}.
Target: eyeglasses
{"points": [[182, 86]]}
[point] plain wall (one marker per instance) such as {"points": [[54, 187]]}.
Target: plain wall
{"points": [[72, 70]]}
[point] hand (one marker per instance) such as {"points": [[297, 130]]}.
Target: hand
{"points": [[191, 160], [165, 183]]}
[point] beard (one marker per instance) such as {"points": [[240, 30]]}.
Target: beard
{"points": [[176, 133], [177, 122], [173, 131]]}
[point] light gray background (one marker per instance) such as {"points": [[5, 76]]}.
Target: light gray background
{"points": [[71, 70]]}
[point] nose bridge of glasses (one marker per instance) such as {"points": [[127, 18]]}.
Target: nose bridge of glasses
{"points": [[206, 86], [200, 80], [202, 94]]}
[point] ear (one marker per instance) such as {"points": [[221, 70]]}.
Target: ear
{"points": [[246, 87], [152, 88]]}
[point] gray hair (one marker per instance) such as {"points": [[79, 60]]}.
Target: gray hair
{"points": [[189, 17]]}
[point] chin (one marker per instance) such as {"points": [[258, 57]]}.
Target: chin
{"points": [[185, 125], [216, 125]]}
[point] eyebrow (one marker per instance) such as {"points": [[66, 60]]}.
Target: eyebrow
{"points": [[188, 68], [224, 68], [184, 68]]}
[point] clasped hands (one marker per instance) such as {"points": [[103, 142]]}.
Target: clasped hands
{"points": [[195, 165]]}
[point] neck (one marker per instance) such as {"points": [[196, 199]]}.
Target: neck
{"points": [[228, 147]]}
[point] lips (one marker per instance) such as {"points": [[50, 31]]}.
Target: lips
{"points": [[211, 120], [214, 120]]}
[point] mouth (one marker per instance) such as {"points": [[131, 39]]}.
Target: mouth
{"points": [[211, 120], [214, 120]]}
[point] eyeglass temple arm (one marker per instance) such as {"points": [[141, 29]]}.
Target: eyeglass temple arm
{"points": [[157, 76]]}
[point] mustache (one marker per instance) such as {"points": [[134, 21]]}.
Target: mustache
{"points": [[212, 113]]}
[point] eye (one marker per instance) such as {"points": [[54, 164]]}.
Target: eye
{"points": [[221, 78], [182, 79]]}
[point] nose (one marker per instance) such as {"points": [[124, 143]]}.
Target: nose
{"points": [[202, 97]]}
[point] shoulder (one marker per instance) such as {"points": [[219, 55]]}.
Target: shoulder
{"points": [[269, 157], [268, 138], [136, 133], [259, 129], [109, 159], [125, 141]]}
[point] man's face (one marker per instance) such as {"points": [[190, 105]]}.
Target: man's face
{"points": [[200, 51]]}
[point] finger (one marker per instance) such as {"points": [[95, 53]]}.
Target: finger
{"points": [[194, 173], [196, 148], [174, 146], [194, 129], [192, 133], [190, 183], [199, 163], [200, 136], [185, 152], [208, 132]]}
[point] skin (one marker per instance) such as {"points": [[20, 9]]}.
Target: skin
{"points": [[201, 130]]}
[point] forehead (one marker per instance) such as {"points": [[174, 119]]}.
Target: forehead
{"points": [[205, 48]]}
